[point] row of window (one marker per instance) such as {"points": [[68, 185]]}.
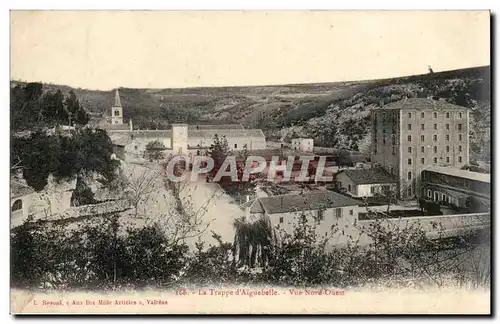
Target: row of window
{"points": [[447, 126], [422, 149], [435, 115], [435, 137], [434, 160]]}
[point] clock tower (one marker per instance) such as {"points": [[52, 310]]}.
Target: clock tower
{"points": [[117, 111]]}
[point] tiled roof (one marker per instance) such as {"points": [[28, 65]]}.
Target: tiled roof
{"points": [[210, 133], [111, 127], [306, 201], [18, 190], [369, 176], [208, 126], [140, 133], [421, 103], [484, 177], [194, 133]]}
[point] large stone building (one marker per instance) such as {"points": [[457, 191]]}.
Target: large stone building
{"points": [[180, 138], [413, 134], [456, 187]]}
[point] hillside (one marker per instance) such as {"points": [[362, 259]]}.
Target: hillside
{"points": [[334, 114]]}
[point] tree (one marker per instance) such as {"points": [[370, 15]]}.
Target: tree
{"points": [[154, 151], [218, 151], [76, 113], [252, 241], [140, 185]]}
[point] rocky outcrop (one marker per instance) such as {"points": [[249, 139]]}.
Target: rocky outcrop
{"points": [[53, 199]]}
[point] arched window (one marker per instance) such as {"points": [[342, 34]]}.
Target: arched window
{"points": [[18, 205], [117, 113]]}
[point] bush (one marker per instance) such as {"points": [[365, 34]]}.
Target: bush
{"points": [[99, 254]]}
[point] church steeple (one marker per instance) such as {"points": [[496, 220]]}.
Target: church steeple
{"points": [[117, 99], [117, 110]]}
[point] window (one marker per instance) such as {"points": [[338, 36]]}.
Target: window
{"points": [[422, 138], [422, 149], [383, 140], [17, 205], [422, 126], [409, 175], [235, 145], [447, 126], [459, 137], [351, 212], [321, 215], [435, 126], [459, 115], [435, 160], [338, 212], [135, 147], [447, 149], [409, 149], [422, 115], [393, 150], [409, 161], [447, 115], [435, 115], [409, 138], [117, 113], [409, 126], [372, 190], [435, 138], [422, 161], [459, 127], [349, 187], [409, 191], [447, 159], [447, 137], [409, 115], [460, 148], [459, 159], [281, 220], [429, 193], [435, 149]]}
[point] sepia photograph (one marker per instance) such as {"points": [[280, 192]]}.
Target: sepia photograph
{"points": [[250, 162]]}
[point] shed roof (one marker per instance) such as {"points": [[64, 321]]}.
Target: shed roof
{"points": [[483, 177], [369, 176], [302, 202]]}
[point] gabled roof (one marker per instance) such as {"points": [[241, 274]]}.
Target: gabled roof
{"points": [[483, 177], [369, 176], [421, 103], [307, 201]]}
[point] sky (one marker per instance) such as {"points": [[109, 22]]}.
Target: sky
{"points": [[175, 49]]}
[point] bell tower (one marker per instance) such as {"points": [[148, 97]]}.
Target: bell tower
{"points": [[117, 110]]}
